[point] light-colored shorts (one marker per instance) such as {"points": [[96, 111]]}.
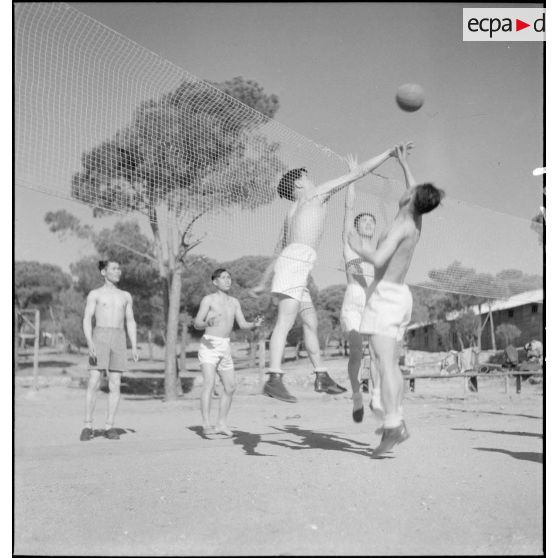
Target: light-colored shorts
{"points": [[291, 272], [216, 351], [353, 306], [388, 310], [110, 348]]}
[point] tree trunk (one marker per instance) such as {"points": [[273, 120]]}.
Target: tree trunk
{"points": [[172, 335], [253, 349], [326, 344], [261, 355], [150, 343], [183, 341]]}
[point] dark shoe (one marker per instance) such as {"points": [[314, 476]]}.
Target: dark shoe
{"points": [[324, 383], [358, 412], [112, 434], [86, 435], [275, 388], [364, 386], [391, 437]]}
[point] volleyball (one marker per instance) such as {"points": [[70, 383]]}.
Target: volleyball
{"points": [[409, 97]]}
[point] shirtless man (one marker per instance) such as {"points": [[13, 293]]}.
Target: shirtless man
{"points": [[107, 344], [296, 254], [359, 276], [216, 315], [389, 305]]}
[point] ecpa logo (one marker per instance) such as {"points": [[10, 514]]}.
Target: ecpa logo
{"points": [[503, 24]]}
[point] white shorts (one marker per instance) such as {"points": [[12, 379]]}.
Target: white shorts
{"points": [[388, 310], [291, 272], [353, 306], [216, 351]]}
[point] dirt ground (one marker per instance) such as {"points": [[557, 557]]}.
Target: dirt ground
{"points": [[297, 479]]}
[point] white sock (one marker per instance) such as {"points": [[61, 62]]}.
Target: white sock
{"points": [[392, 420], [357, 399]]}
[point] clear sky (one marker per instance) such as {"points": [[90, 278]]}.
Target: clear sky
{"points": [[335, 68]]}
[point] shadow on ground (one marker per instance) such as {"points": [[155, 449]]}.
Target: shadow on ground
{"points": [[530, 434], [154, 387], [46, 364], [100, 433], [308, 440], [476, 411], [533, 456]]}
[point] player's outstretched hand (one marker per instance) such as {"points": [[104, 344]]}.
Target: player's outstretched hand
{"points": [[352, 162], [402, 150], [355, 241]]}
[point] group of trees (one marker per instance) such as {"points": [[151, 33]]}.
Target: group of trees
{"points": [[61, 296]]}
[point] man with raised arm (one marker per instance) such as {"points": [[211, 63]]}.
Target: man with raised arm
{"points": [[389, 305], [359, 275], [302, 232], [107, 344]]}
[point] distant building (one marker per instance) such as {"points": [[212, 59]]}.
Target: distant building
{"points": [[523, 310]]}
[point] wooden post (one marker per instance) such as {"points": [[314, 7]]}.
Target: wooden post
{"points": [[518, 383], [15, 340], [150, 343], [36, 350], [479, 330], [493, 337]]}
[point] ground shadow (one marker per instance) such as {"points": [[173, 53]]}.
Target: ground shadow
{"points": [[319, 440], [46, 364], [491, 413], [100, 433], [154, 387], [249, 443], [530, 434], [533, 456]]}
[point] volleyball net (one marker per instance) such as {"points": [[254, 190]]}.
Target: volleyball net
{"points": [[103, 121]]}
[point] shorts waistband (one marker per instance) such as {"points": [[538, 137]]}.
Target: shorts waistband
{"points": [[109, 328], [391, 284], [216, 337]]}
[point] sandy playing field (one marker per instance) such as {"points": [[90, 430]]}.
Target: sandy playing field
{"points": [[297, 479]]}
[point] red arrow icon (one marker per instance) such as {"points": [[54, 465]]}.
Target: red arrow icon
{"points": [[519, 25]]}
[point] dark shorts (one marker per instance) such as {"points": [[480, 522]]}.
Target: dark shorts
{"points": [[110, 347]]}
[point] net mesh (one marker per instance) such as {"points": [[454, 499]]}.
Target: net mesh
{"points": [[104, 121]]}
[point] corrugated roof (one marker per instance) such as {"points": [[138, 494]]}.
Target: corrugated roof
{"points": [[528, 297]]}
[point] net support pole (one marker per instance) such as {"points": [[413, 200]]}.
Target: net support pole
{"points": [[36, 350]]}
